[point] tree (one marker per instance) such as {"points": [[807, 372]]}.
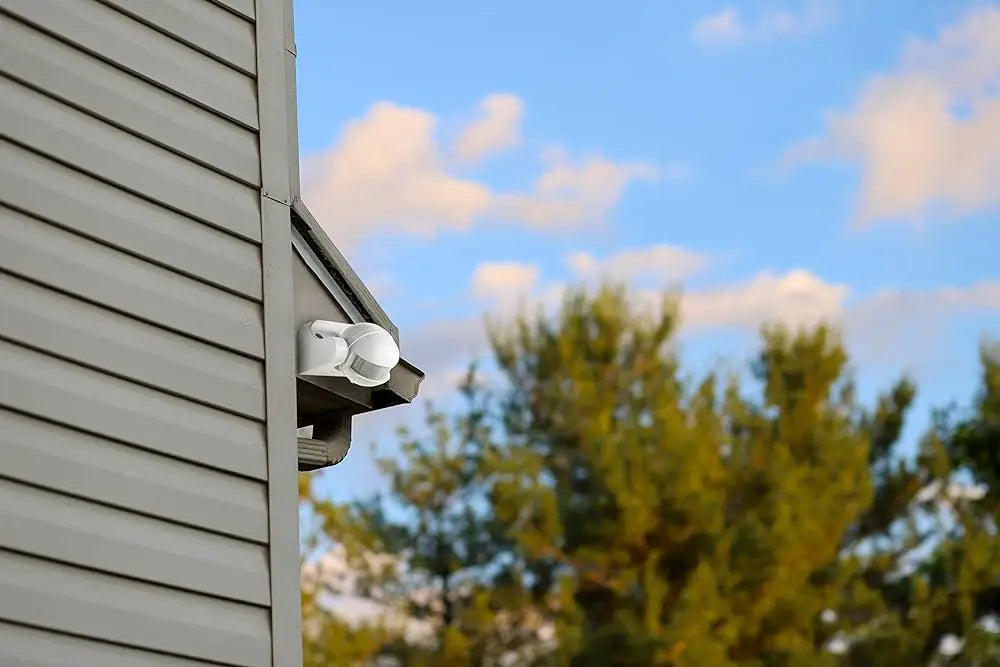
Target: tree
{"points": [[974, 446], [974, 442], [924, 558], [603, 508], [700, 525], [432, 552]]}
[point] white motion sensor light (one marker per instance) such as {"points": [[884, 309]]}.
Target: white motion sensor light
{"points": [[364, 353]]}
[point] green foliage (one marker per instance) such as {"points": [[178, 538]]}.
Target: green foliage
{"points": [[974, 443], [328, 640], [603, 508], [695, 520]]}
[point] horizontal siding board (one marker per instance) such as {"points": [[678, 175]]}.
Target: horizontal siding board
{"points": [[33, 57], [71, 136], [22, 646], [136, 47], [49, 255], [201, 24], [70, 530], [95, 209], [38, 317], [244, 8], [76, 463], [60, 597], [50, 388]]}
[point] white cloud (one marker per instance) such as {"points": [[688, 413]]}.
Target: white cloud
{"points": [[387, 174], [796, 298], [441, 343], [726, 27], [888, 329], [662, 263], [893, 324], [498, 128], [443, 350], [722, 27], [503, 280], [568, 194], [888, 326], [927, 134]]}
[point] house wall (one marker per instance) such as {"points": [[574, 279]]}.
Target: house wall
{"points": [[312, 300], [147, 445]]}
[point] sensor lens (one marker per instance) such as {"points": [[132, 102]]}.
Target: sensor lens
{"points": [[367, 369]]}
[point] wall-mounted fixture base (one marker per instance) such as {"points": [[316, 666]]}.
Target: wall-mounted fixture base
{"points": [[329, 445]]}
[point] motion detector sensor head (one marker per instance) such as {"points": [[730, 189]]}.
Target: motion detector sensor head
{"points": [[372, 354], [364, 353]]}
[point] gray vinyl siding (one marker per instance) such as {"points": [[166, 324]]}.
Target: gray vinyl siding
{"points": [[31, 647], [61, 458], [312, 299], [147, 52], [100, 211], [135, 481]]}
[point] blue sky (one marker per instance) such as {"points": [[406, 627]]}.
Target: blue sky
{"points": [[792, 160]]}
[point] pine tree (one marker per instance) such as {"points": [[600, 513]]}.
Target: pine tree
{"points": [[431, 551], [604, 508], [701, 526]]}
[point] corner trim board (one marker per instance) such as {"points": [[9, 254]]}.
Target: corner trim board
{"points": [[279, 335]]}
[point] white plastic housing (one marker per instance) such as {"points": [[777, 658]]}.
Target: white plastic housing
{"points": [[364, 353]]}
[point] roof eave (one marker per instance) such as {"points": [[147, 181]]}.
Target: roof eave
{"points": [[345, 287]]}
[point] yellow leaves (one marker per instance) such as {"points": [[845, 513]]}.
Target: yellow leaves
{"points": [[305, 486], [329, 640], [655, 589], [454, 648], [705, 524]]}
